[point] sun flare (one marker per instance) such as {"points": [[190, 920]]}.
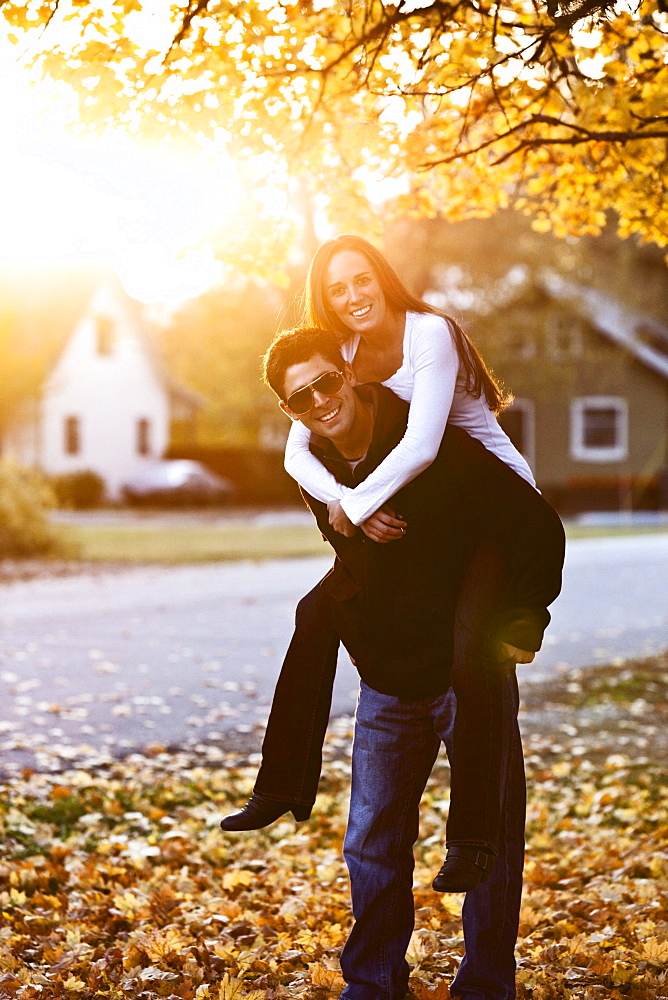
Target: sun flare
{"points": [[64, 197]]}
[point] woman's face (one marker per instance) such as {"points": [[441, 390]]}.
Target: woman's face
{"points": [[353, 291]]}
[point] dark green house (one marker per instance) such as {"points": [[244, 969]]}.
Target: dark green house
{"points": [[590, 380]]}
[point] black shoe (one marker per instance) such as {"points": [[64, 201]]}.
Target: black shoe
{"points": [[260, 811], [464, 868]]}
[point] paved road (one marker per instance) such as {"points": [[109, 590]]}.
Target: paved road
{"points": [[97, 664]]}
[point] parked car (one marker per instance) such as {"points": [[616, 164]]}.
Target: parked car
{"points": [[176, 481]]}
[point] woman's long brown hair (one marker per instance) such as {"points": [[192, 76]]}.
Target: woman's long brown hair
{"points": [[316, 311]]}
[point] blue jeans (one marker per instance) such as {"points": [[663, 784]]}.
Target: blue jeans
{"points": [[395, 747]]}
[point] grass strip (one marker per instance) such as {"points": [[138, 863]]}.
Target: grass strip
{"points": [[178, 543], [186, 543]]}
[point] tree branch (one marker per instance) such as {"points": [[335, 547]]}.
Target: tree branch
{"points": [[583, 135], [186, 24], [576, 10]]}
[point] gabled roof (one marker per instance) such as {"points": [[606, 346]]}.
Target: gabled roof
{"points": [[143, 329], [640, 335], [40, 309]]}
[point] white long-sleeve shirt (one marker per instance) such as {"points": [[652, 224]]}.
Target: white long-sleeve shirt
{"points": [[431, 379]]}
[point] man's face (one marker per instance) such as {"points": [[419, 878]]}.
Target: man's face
{"points": [[332, 417]]}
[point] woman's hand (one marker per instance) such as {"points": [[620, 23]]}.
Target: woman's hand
{"points": [[384, 525], [339, 520], [508, 652]]}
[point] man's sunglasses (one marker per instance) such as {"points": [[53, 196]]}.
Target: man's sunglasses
{"points": [[301, 401]]}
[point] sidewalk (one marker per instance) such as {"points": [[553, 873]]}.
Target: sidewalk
{"points": [[622, 519]]}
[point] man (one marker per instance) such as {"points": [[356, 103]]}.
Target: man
{"points": [[393, 606]]}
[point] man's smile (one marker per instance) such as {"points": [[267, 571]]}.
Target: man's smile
{"points": [[326, 417]]}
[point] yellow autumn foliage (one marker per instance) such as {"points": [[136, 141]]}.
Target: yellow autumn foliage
{"points": [[556, 108], [258, 921]]}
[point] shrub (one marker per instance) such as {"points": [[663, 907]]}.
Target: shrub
{"points": [[78, 490], [25, 499]]}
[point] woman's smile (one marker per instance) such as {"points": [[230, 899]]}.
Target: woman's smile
{"points": [[360, 313]]}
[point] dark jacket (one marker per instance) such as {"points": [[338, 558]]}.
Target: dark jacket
{"points": [[394, 604]]}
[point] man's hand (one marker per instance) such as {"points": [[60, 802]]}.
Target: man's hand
{"points": [[507, 652], [384, 525], [339, 520]]}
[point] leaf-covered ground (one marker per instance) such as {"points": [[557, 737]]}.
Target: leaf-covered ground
{"points": [[116, 881]]}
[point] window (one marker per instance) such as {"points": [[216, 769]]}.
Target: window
{"points": [[520, 346], [564, 337], [72, 442], [519, 341], [143, 436], [519, 424], [104, 335], [599, 429]]}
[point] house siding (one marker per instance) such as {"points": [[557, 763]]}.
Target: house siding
{"points": [[648, 422], [599, 369], [646, 395], [109, 391]]}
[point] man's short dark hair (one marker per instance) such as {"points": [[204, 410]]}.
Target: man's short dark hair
{"points": [[293, 347]]}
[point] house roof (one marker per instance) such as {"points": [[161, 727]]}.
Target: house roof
{"points": [[639, 334], [41, 306], [40, 309], [178, 392]]}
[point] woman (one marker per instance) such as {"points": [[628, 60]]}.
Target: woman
{"points": [[392, 337]]}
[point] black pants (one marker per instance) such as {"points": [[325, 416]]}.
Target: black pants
{"points": [[292, 747]]}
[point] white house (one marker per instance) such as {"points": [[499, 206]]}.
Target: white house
{"points": [[107, 402]]}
